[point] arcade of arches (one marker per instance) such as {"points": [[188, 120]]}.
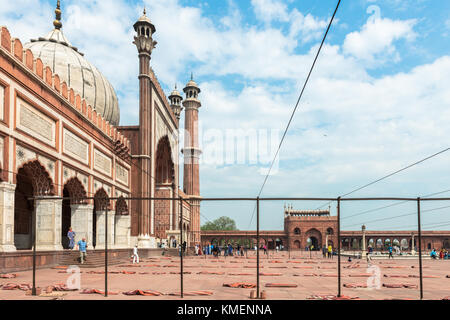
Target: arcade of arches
{"points": [[33, 180], [305, 229]]}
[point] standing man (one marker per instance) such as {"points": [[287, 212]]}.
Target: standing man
{"points": [[135, 255], [82, 245], [184, 247], [390, 252], [330, 252], [71, 236]]}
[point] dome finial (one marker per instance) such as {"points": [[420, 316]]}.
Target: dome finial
{"points": [[57, 23], [192, 76], [145, 11]]}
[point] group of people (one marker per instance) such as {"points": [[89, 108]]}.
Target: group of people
{"points": [[229, 250], [443, 254], [81, 245], [327, 252]]}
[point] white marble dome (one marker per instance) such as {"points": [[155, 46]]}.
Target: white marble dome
{"points": [[70, 65]]}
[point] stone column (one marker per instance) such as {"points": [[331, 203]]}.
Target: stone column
{"points": [[81, 222], [100, 241], [7, 217], [413, 251], [123, 231], [363, 253], [48, 224], [326, 241]]}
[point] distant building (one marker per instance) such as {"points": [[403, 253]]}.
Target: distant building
{"points": [[317, 228]]}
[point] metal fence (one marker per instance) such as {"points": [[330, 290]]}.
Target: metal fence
{"points": [[257, 202]]}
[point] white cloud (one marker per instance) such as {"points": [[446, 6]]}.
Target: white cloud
{"points": [[269, 10], [350, 128], [374, 43]]}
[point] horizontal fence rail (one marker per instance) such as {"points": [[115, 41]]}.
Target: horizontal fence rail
{"points": [[257, 201]]}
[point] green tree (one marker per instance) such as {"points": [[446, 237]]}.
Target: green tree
{"points": [[222, 223]]}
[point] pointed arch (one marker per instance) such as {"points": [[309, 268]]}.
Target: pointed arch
{"points": [[101, 200], [31, 180], [121, 206], [40, 179], [76, 190], [165, 169]]}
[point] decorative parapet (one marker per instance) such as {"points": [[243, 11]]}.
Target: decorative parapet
{"points": [[25, 58], [163, 95]]}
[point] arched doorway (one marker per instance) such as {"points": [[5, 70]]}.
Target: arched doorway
{"points": [[404, 244], [278, 242], [297, 244], [74, 190], [101, 203], [314, 238], [313, 243], [31, 180], [165, 178], [446, 244]]}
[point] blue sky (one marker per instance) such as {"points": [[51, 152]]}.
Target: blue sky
{"points": [[377, 101]]}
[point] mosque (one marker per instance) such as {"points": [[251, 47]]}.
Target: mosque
{"points": [[60, 137]]}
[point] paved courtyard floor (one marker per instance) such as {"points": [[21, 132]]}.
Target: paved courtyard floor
{"points": [[312, 276]]}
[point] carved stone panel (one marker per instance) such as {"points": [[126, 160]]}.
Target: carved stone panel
{"points": [[102, 162], [2, 101], [2, 148], [35, 123], [75, 147], [122, 174]]}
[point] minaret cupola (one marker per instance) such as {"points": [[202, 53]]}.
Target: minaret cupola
{"points": [[175, 102]]}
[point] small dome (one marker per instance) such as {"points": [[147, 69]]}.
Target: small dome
{"points": [[175, 93], [144, 20], [191, 84], [85, 79]]}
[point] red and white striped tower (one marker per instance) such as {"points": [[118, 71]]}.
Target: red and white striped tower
{"points": [[145, 45], [192, 152]]}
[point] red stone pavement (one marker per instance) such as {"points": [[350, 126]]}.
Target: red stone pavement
{"points": [[294, 270]]}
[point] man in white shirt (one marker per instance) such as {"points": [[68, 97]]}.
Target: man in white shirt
{"points": [[135, 255]]}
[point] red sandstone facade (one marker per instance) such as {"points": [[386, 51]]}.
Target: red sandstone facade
{"points": [[54, 144]]}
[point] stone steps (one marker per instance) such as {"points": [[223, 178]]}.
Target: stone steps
{"points": [[94, 259]]}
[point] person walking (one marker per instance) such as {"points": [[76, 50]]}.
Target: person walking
{"points": [[330, 251], [184, 247], [135, 255], [324, 251], [71, 236], [82, 246], [390, 252]]}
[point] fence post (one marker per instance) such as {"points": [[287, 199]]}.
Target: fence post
{"points": [[181, 247], [257, 247], [420, 248], [106, 250], [33, 289], [339, 243]]}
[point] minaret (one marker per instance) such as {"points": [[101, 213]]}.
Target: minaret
{"points": [[145, 45], [192, 152], [175, 102]]}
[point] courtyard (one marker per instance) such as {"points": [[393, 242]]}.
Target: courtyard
{"points": [[283, 276]]}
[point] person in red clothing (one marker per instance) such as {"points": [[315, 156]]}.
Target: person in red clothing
{"points": [[441, 254]]}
